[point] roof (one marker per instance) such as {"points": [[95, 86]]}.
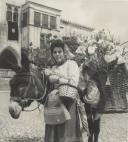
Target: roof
{"points": [[77, 25], [39, 4]]}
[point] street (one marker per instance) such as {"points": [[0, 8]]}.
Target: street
{"points": [[30, 126]]}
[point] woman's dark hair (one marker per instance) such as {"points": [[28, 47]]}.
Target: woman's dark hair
{"points": [[57, 43]]}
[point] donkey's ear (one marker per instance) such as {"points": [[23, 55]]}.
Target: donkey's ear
{"points": [[25, 60]]}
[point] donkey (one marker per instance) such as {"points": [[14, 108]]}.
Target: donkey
{"points": [[26, 86], [94, 112]]}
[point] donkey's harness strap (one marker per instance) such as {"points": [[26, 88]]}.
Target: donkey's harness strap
{"points": [[32, 99]]}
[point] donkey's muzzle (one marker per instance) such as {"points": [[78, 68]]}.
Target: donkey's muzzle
{"points": [[15, 109]]}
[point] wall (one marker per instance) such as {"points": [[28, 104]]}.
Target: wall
{"points": [[68, 28], [31, 33], [4, 42]]}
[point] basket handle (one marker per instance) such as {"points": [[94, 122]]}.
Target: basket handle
{"points": [[68, 85]]}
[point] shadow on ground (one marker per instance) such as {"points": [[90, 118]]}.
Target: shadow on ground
{"points": [[24, 139]]}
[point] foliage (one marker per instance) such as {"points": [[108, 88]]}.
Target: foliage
{"points": [[41, 57], [71, 42], [101, 51]]}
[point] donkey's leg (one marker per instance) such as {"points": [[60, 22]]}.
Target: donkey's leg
{"points": [[96, 129], [90, 121], [91, 129]]}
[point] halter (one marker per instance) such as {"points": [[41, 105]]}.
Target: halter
{"points": [[31, 99]]}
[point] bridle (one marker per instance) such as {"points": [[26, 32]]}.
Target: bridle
{"points": [[32, 99], [27, 88]]}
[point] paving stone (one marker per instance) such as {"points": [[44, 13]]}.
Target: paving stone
{"points": [[30, 126]]}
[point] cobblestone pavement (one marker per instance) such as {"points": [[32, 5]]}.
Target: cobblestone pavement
{"points": [[30, 126]]}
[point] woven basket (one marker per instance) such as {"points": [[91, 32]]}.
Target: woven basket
{"points": [[93, 95], [69, 91], [54, 111]]}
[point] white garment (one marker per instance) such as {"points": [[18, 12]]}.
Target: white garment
{"points": [[69, 70]]}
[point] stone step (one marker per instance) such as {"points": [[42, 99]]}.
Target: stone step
{"points": [[4, 84]]}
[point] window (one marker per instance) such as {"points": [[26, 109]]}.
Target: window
{"points": [[9, 13], [15, 15], [37, 17], [12, 19], [12, 30], [25, 19], [12, 13], [52, 22], [45, 21]]}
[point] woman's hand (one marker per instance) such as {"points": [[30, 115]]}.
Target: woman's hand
{"points": [[54, 92], [63, 81], [53, 78], [47, 72]]}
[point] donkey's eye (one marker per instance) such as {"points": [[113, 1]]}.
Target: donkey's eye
{"points": [[21, 88], [23, 84]]}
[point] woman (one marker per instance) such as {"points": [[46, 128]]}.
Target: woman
{"points": [[64, 72]]}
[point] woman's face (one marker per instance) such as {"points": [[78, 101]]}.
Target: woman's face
{"points": [[58, 54]]}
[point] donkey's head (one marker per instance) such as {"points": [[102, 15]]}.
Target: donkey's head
{"points": [[25, 87]]}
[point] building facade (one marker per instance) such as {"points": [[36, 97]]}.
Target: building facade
{"points": [[68, 28], [10, 34], [22, 23], [38, 21]]}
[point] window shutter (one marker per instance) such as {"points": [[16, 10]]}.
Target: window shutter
{"points": [[9, 13], [52, 22], [25, 19], [37, 17], [45, 21], [15, 15]]}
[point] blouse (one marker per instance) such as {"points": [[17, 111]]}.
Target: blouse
{"points": [[69, 70]]}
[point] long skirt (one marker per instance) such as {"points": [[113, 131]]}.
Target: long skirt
{"points": [[67, 132]]}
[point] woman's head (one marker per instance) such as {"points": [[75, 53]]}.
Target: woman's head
{"points": [[57, 51]]}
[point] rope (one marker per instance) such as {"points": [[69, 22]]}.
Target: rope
{"points": [[41, 98], [21, 78], [38, 107]]}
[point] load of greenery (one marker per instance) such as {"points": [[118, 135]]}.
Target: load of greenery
{"points": [[101, 51]]}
